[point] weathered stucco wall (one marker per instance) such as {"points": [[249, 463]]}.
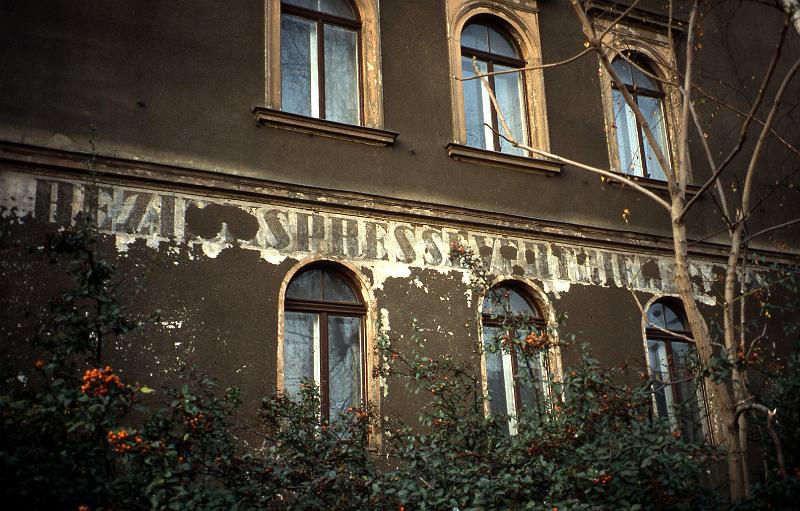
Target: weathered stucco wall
{"points": [[214, 267], [389, 248]]}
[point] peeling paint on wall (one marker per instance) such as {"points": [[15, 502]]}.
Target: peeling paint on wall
{"points": [[389, 248]]}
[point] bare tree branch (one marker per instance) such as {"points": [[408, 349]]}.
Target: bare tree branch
{"points": [[528, 68], [745, 124], [508, 136], [770, 229], [710, 157]]}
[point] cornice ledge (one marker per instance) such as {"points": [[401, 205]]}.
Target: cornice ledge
{"points": [[323, 128], [17, 157], [508, 161], [612, 9], [655, 185]]}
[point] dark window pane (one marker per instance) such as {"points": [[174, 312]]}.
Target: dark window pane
{"points": [[475, 36], [476, 106], [623, 69], [306, 4], [337, 289], [341, 74], [653, 112], [307, 285], [630, 158], [655, 315], [509, 95], [501, 300], [495, 374], [641, 80], [344, 363], [339, 8], [530, 377], [299, 72], [500, 44], [673, 321], [301, 336]]}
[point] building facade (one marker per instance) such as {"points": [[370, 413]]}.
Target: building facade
{"points": [[280, 178]]}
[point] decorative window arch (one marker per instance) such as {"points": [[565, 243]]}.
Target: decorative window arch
{"points": [[323, 60], [324, 336], [515, 29], [513, 380], [493, 50], [643, 54], [670, 355]]}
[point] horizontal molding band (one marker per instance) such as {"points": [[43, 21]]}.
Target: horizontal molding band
{"points": [[324, 128], [502, 160], [79, 165]]}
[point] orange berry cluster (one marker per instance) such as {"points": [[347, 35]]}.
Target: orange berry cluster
{"points": [[96, 382], [359, 413], [603, 479], [194, 421], [537, 341], [123, 441]]}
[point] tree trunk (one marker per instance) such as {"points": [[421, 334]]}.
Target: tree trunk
{"points": [[721, 403]]}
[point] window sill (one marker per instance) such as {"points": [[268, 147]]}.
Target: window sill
{"points": [[323, 128], [508, 161], [656, 185]]}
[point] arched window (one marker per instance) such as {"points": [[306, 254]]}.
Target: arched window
{"points": [[320, 59], [513, 379], [670, 354], [324, 338], [636, 154], [495, 52]]}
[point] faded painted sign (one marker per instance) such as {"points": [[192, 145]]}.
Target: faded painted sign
{"points": [[280, 232]]}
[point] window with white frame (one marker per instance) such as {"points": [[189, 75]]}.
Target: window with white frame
{"points": [[515, 379], [324, 338], [677, 395]]}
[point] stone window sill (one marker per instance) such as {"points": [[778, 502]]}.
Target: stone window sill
{"points": [[323, 128], [656, 185], [508, 161]]}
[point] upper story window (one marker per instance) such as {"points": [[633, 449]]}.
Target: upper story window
{"points": [[514, 380], [642, 56], [671, 355], [503, 39], [636, 154], [320, 59], [324, 335], [322, 64], [494, 51]]}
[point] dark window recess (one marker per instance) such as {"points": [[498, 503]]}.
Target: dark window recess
{"points": [[320, 69], [324, 338], [493, 51]]}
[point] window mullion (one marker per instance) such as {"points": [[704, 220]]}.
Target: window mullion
{"points": [[321, 66], [641, 137], [324, 391], [495, 116], [487, 114]]}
